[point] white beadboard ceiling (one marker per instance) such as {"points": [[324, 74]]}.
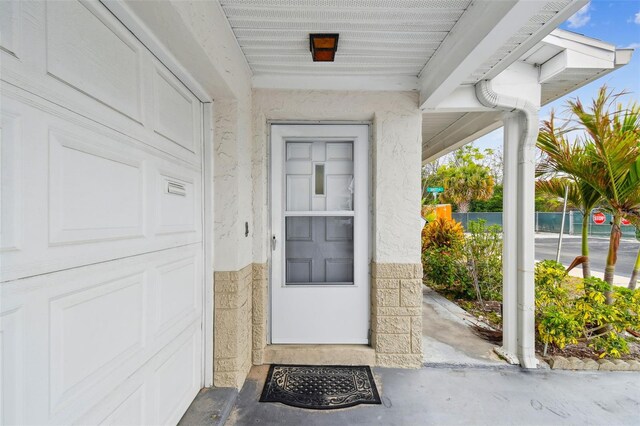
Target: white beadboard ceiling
{"points": [[377, 37]]}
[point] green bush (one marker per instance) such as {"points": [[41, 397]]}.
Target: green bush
{"points": [[483, 247], [446, 272], [452, 261], [562, 318]]}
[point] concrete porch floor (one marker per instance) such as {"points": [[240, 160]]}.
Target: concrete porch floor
{"points": [[462, 382], [465, 396]]}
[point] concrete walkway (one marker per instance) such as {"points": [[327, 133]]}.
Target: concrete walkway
{"points": [[447, 338]]}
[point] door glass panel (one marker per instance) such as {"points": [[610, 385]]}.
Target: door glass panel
{"points": [[319, 250], [319, 176]]}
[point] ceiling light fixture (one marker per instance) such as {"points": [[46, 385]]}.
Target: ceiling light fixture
{"points": [[323, 47]]}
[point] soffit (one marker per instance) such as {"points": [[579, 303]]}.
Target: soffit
{"points": [[377, 37], [502, 58]]}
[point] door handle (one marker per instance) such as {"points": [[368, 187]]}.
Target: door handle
{"points": [[273, 243]]}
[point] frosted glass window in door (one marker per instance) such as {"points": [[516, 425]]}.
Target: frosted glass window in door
{"points": [[319, 250], [319, 176]]}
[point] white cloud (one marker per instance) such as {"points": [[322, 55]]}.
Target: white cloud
{"points": [[580, 18], [631, 46], [637, 18]]}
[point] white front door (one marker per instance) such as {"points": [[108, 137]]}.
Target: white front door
{"points": [[320, 254]]}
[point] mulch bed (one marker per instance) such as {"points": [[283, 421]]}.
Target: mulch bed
{"points": [[491, 315]]}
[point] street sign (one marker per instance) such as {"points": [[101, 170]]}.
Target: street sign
{"points": [[434, 189], [599, 218], [626, 221]]}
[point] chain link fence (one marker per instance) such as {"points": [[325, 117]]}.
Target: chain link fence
{"points": [[551, 222]]}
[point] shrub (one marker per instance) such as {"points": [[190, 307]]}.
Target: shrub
{"points": [[483, 249], [445, 271], [563, 319], [442, 233], [443, 257]]}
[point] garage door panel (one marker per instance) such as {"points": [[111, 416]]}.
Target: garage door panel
{"points": [[75, 193], [177, 380], [130, 412], [93, 57], [10, 27], [12, 364], [178, 292], [10, 180], [95, 336], [176, 110], [178, 207], [94, 331], [101, 278], [95, 193], [95, 67]]}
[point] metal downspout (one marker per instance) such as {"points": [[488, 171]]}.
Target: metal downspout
{"points": [[525, 212]]}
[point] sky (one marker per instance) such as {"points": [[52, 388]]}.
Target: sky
{"points": [[612, 21]]}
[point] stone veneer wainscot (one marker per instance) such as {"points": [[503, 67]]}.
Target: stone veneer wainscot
{"points": [[396, 314]]}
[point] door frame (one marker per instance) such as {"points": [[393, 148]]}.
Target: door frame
{"points": [[270, 175]]}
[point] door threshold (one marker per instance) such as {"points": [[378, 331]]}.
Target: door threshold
{"points": [[320, 354]]}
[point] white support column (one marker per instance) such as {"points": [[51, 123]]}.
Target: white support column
{"points": [[526, 241], [520, 134], [512, 132]]}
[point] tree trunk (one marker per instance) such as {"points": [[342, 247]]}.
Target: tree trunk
{"points": [[463, 206], [612, 256], [586, 266], [636, 272]]}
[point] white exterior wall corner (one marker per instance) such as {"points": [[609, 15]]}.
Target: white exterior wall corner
{"points": [[232, 185], [395, 155]]}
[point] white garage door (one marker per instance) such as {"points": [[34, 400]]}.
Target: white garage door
{"points": [[101, 230]]}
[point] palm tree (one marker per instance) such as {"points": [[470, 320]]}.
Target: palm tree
{"points": [[581, 196], [635, 274], [466, 183], [606, 157]]}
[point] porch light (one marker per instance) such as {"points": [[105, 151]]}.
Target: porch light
{"points": [[323, 47]]}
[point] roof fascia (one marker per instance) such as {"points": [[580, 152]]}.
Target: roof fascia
{"points": [[481, 31]]}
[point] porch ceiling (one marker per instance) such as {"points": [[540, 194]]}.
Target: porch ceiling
{"points": [[377, 37], [566, 61]]}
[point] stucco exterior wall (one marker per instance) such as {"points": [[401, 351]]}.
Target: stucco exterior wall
{"points": [[232, 185], [395, 155]]}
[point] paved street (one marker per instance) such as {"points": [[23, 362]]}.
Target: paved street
{"points": [[546, 249]]}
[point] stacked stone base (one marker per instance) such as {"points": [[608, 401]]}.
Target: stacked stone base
{"points": [[260, 309], [233, 326], [396, 314]]}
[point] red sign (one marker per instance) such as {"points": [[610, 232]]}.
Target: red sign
{"points": [[599, 218], [625, 221]]}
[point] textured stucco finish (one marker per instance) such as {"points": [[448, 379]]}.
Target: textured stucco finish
{"points": [[396, 314], [233, 326], [232, 185], [395, 159]]}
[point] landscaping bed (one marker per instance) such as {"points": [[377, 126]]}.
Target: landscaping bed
{"points": [[576, 319]]}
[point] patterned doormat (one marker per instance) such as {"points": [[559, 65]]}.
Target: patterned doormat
{"points": [[320, 387]]}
